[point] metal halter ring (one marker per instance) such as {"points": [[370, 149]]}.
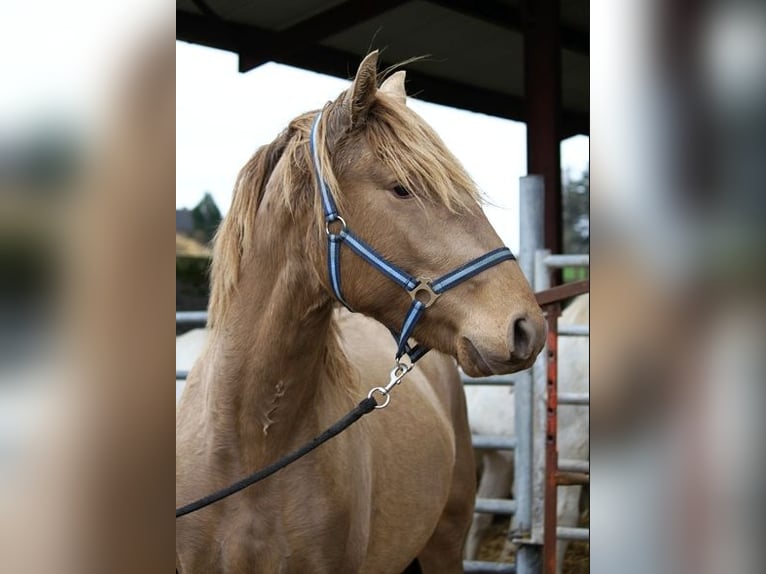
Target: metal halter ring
{"points": [[383, 392], [330, 222], [424, 293]]}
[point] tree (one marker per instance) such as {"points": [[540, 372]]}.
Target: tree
{"points": [[576, 216], [206, 218]]}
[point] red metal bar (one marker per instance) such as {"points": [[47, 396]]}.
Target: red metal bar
{"points": [[551, 447], [551, 300]]}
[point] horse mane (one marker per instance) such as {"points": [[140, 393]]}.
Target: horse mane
{"points": [[397, 136], [234, 236]]}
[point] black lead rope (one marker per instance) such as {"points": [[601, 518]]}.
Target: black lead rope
{"points": [[364, 407]]}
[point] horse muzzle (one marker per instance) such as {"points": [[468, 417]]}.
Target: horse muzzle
{"points": [[525, 337]]}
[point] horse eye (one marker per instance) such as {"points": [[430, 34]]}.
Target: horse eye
{"points": [[401, 191]]}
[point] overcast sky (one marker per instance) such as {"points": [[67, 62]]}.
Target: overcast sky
{"points": [[223, 116]]}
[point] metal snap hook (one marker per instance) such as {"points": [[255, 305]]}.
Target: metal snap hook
{"points": [[397, 374], [395, 377]]}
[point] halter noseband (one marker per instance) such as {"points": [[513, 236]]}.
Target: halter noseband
{"points": [[423, 292]]}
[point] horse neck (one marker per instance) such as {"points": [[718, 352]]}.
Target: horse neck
{"points": [[274, 349]]}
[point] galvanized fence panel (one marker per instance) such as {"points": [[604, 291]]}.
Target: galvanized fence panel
{"points": [[478, 567], [556, 471]]}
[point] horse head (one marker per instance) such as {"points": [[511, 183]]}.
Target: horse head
{"points": [[394, 184], [403, 193]]}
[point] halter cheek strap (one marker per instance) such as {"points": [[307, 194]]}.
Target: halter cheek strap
{"points": [[423, 292]]}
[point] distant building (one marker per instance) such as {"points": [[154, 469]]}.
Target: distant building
{"points": [[184, 222]]}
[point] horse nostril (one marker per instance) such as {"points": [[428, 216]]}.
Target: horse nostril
{"points": [[521, 338]]}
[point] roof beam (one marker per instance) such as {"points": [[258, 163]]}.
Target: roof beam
{"points": [[542, 92], [428, 87], [198, 30], [210, 23], [512, 18], [573, 124], [338, 18], [325, 24], [253, 44]]}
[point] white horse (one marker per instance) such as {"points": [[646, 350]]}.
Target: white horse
{"points": [[491, 412], [189, 346]]}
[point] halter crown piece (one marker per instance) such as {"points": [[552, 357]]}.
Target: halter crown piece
{"points": [[422, 291]]}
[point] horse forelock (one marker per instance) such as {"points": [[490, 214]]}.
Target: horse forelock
{"points": [[399, 139], [420, 160]]}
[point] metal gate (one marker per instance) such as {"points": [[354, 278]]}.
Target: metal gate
{"points": [[537, 469]]}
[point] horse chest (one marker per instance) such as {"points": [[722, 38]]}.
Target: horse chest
{"points": [[294, 525]]}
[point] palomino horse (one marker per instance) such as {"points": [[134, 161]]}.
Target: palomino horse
{"points": [[491, 411], [281, 363]]}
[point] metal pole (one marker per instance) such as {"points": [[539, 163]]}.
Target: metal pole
{"points": [[529, 554], [531, 222], [532, 234], [561, 261], [540, 376]]}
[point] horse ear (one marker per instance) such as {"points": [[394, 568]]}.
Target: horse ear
{"points": [[394, 87], [361, 94]]}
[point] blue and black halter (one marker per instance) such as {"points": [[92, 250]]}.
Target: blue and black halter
{"points": [[422, 291]]}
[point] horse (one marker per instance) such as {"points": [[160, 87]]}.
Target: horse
{"points": [[491, 411], [284, 359]]}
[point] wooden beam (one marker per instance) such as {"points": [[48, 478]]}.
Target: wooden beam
{"points": [[304, 34], [211, 25], [252, 43], [542, 92], [424, 86], [430, 88], [206, 10], [198, 30], [574, 123], [246, 40], [511, 18]]}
